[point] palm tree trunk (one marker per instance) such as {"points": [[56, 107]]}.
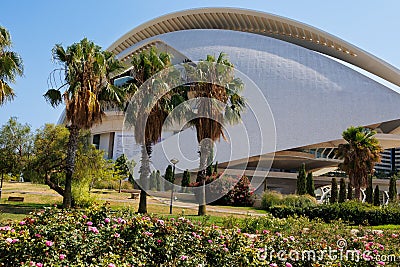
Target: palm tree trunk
{"points": [[70, 165], [205, 151], [1, 183], [144, 175]]}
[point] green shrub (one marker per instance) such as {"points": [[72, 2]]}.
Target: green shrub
{"points": [[110, 184], [334, 191], [301, 181], [354, 212], [310, 184], [272, 199]]}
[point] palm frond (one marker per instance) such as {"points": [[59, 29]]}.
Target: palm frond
{"points": [[53, 96]]}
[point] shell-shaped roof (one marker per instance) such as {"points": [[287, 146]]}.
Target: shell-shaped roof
{"points": [[263, 24]]}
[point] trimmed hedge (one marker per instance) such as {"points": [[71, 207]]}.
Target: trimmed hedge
{"points": [[353, 212]]}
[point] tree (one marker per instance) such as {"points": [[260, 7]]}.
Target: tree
{"points": [[217, 101], [153, 181], [369, 191], [377, 201], [301, 180], [360, 153], [49, 152], [122, 169], [334, 191], [349, 192], [159, 181], [10, 66], [216, 167], [342, 191], [169, 175], [310, 188], [392, 189], [185, 180], [149, 120], [47, 162], [87, 74], [15, 148]]}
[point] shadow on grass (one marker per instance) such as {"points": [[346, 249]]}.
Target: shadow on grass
{"points": [[25, 208]]}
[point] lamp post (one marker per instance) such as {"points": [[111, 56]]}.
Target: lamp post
{"points": [[174, 161]]}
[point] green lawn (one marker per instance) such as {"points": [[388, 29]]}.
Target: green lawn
{"points": [[38, 196]]}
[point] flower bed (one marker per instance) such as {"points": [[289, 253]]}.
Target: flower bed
{"points": [[102, 237]]}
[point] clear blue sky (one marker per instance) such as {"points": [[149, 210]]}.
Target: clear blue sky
{"points": [[36, 26]]}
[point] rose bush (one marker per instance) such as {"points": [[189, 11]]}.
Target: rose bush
{"points": [[103, 237]]}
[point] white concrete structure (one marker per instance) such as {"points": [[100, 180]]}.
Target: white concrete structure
{"points": [[299, 69]]}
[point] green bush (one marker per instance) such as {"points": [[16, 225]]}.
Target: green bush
{"points": [[353, 212], [272, 199], [110, 184]]}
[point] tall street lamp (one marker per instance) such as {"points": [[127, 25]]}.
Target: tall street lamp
{"points": [[174, 161]]}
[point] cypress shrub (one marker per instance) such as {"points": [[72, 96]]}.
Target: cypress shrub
{"points": [[349, 191], [216, 167], [392, 189], [153, 180], [310, 185], [185, 180], [369, 193], [334, 191], [301, 180], [376, 196], [158, 181], [169, 176], [342, 191]]}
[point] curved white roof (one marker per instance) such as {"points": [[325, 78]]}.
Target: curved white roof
{"points": [[263, 24]]}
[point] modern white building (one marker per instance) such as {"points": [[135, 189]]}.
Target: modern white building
{"points": [[313, 86]]}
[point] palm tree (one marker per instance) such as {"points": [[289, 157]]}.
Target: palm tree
{"points": [[151, 116], [359, 155], [85, 74], [218, 101], [10, 67]]}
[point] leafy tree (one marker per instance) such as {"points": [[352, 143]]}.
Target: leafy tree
{"points": [[185, 180], [169, 176], [49, 152], [87, 81], [122, 169], [301, 180], [359, 155], [90, 166], [342, 191], [218, 101], [377, 201], [48, 162], [369, 191], [15, 148], [310, 188], [349, 192], [10, 66], [393, 188], [334, 191]]}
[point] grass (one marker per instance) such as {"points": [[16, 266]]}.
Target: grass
{"points": [[38, 196]]}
